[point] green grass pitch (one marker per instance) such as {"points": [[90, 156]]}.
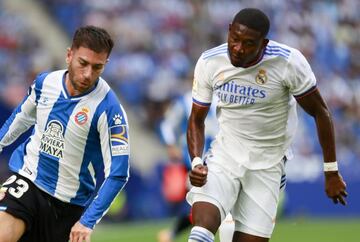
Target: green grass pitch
{"points": [[286, 230]]}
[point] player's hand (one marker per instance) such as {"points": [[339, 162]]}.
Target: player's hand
{"points": [[198, 175], [80, 233], [335, 187]]}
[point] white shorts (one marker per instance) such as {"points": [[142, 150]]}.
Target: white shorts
{"points": [[252, 198]]}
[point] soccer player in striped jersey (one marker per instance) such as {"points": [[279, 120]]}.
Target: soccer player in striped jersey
{"points": [[80, 141], [258, 83]]}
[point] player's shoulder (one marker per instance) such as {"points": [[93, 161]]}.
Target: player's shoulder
{"points": [[104, 89], [110, 98], [276, 49], [47, 75], [215, 51]]}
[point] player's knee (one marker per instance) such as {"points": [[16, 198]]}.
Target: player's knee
{"points": [[207, 216], [207, 222]]}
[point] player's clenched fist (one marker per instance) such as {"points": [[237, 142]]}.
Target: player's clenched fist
{"points": [[198, 175]]}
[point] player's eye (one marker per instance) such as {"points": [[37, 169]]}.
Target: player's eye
{"points": [[249, 43], [98, 67], [82, 62], [234, 39]]}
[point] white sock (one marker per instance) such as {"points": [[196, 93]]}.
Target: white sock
{"points": [[200, 234]]}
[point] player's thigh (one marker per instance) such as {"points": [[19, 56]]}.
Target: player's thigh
{"points": [[11, 228], [255, 210], [23, 200], [220, 190]]}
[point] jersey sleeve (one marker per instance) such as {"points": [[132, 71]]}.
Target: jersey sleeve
{"points": [[202, 91], [300, 78], [22, 118], [114, 137]]}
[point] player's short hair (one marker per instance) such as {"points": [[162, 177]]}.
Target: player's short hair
{"points": [[253, 18], [94, 38]]}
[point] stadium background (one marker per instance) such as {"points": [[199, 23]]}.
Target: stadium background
{"points": [[156, 45]]}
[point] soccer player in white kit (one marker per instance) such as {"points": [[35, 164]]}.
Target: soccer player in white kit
{"points": [[80, 141], [258, 82]]}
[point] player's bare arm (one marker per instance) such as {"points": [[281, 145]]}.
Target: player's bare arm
{"points": [[313, 104], [195, 140]]}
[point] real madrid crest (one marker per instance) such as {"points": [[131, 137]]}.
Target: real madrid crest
{"points": [[261, 77], [82, 116]]}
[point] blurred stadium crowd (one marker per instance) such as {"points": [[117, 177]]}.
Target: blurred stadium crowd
{"points": [[158, 42]]}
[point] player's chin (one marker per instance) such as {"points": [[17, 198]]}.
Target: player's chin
{"points": [[237, 62]]}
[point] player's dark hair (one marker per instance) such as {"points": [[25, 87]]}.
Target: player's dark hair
{"points": [[94, 38], [254, 19]]}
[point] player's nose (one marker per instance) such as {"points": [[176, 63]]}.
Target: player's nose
{"points": [[238, 48], [87, 72]]}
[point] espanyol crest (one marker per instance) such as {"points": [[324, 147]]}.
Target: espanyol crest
{"points": [[82, 116]]}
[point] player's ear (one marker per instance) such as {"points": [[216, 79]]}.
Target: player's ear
{"points": [[265, 42], [68, 55]]}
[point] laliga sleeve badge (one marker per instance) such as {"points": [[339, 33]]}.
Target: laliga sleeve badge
{"points": [[261, 77], [117, 119], [119, 137]]}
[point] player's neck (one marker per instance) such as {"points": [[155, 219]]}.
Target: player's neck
{"points": [[71, 88], [256, 60]]}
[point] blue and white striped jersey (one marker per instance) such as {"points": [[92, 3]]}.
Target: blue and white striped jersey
{"points": [[75, 140]]}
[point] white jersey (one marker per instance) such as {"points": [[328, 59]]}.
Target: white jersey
{"points": [[75, 140], [256, 108]]}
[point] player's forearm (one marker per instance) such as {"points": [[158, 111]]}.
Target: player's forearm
{"points": [[326, 134], [195, 138], [107, 193]]}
